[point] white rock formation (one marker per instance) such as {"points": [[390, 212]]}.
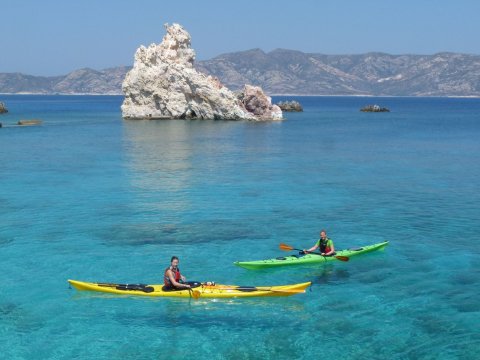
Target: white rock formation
{"points": [[163, 84], [259, 104]]}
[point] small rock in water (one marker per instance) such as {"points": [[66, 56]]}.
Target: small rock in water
{"points": [[3, 108], [290, 106], [30, 122], [374, 108]]}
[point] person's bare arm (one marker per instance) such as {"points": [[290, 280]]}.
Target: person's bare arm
{"points": [[176, 283]]}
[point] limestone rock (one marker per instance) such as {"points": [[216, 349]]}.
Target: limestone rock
{"points": [[163, 84], [3, 108], [374, 108], [259, 104], [290, 106]]}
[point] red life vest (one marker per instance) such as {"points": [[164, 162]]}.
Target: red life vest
{"points": [[324, 245], [176, 275]]}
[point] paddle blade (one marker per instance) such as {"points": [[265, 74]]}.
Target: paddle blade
{"points": [[286, 247], [342, 258], [196, 294]]}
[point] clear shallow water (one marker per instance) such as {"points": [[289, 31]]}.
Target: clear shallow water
{"points": [[92, 197]]}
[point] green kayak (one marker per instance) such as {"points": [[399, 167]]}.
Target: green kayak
{"points": [[313, 258]]}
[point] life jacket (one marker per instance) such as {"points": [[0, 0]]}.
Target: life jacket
{"points": [[176, 275], [324, 245]]}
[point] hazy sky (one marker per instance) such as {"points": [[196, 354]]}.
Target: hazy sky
{"points": [[53, 37]]}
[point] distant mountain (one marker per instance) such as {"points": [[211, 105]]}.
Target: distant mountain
{"points": [[293, 72], [88, 81], [82, 81], [19, 83]]}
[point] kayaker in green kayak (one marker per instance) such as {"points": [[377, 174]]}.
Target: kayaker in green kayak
{"points": [[172, 277], [324, 243]]}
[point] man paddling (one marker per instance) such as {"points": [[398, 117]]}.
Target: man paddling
{"points": [[324, 243], [172, 278]]}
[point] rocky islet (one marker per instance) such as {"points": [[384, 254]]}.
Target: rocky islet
{"points": [[290, 106], [164, 84]]}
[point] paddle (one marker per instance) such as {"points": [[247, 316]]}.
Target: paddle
{"points": [[195, 293], [289, 248]]}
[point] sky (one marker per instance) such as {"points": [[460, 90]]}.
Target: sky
{"points": [[54, 37]]}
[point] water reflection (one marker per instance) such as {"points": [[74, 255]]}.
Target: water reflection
{"points": [[158, 155], [329, 274], [178, 171]]}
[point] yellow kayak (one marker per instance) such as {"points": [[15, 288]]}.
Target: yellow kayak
{"points": [[199, 290]]}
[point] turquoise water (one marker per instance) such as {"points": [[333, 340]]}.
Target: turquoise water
{"points": [[89, 196]]}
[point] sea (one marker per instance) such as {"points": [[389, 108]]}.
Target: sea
{"points": [[92, 197]]}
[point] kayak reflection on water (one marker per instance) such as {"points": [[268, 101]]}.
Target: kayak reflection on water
{"points": [[330, 274]]}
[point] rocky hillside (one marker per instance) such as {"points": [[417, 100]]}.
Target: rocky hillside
{"points": [[294, 72], [88, 81], [82, 81]]}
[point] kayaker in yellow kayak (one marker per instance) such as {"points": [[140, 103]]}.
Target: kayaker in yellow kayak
{"points": [[172, 277], [324, 243]]}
